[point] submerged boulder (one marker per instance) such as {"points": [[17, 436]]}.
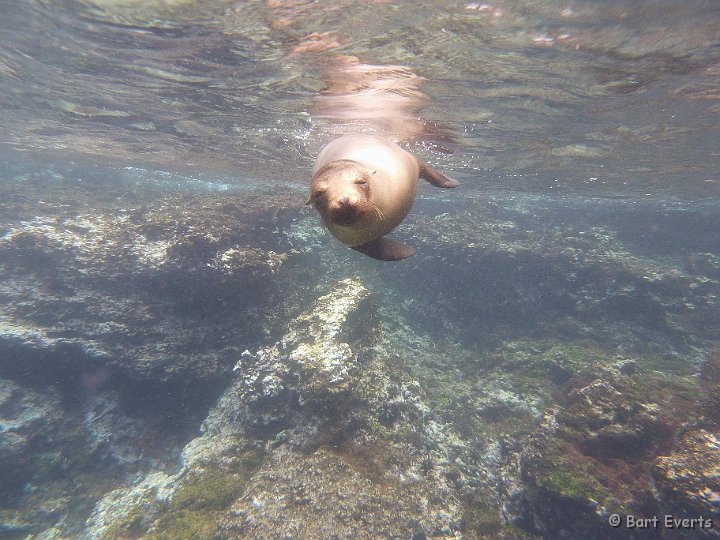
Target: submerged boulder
{"points": [[689, 477], [523, 267], [311, 438], [592, 456], [156, 286], [31, 423]]}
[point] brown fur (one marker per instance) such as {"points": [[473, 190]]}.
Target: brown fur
{"points": [[363, 187]]}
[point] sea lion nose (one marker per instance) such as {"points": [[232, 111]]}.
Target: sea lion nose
{"points": [[344, 211]]}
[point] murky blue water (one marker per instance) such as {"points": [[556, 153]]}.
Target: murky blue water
{"points": [[585, 135]]}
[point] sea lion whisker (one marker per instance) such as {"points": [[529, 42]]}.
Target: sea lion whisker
{"points": [[378, 211]]}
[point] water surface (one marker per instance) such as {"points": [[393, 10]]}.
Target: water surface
{"points": [[603, 97]]}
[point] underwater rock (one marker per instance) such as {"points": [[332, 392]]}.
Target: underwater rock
{"points": [[591, 456], [502, 263], [688, 478], [156, 286], [60, 453], [311, 439], [45, 465], [28, 419], [709, 407], [379, 393], [127, 512], [31, 425], [315, 348], [111, 432], [313, 361], [312, 368], [705, 264], [325, 496]]}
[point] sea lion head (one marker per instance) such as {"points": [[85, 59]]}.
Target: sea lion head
{"points": [[340, 191]]}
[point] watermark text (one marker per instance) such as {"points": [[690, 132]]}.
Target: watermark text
{"points": [[666, 521]]}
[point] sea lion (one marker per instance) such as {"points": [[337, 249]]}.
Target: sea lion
{"points": [[363, 186]]}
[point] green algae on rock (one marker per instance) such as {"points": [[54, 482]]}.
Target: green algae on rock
{"points": [[322, 495], [594, 453], [127, 512], [201, 498]]}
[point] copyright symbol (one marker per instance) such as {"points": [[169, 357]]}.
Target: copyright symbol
{"points": [[614, 520]]}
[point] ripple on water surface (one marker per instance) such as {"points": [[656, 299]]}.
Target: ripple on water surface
{"points": [[601, 97]]}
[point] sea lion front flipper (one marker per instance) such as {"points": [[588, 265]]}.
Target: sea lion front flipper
{"points": [[383, 249], [436, 178]]}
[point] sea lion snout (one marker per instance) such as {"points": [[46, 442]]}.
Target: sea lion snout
{"points": [[344, 211], [340, 192]]}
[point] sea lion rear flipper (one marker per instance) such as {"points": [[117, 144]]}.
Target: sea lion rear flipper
{"points": [[436, 178], [383, 249]]}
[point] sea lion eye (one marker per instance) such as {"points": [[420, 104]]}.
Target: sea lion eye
{"points": [[319, 198], [361, 182]]}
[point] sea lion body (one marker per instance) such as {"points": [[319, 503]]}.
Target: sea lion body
{"points": [[393, 184], [363, 186]]}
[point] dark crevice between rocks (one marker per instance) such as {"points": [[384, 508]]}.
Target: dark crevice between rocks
{"points": [[112, 426], [179, 405]]}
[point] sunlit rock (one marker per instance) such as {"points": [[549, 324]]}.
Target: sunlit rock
{"points": [[318, 350], [314, 366], [130, 509], [688, 477]]}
